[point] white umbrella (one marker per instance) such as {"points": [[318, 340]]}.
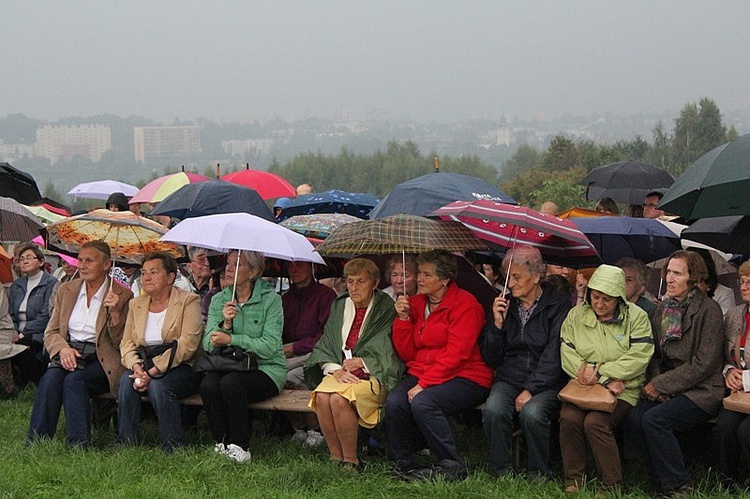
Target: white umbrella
{"points": [[101, 189]]}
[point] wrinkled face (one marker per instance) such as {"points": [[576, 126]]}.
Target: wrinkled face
{"points": [[633, 288], [428, 282], [649, 207], [604, 305], [522, 283], [245, 272], [154, 277], [199, 266], [361, 288], [300, 273], [400, 286], [93, 265], [744, 282], [29, 264], [677, 277]]}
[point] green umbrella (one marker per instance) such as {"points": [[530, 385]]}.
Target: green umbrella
{"points": [[716, 185]]}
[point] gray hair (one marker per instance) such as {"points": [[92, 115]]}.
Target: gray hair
{"points": [[526, 256], [254, 259]]}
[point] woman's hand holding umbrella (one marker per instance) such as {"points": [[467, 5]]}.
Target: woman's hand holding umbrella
{"points": [[499, 309], [402, 308]]}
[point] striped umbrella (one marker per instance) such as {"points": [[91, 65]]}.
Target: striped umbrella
{"points": [[16, 222], [399, 234], [505, 226], [158, 189]]}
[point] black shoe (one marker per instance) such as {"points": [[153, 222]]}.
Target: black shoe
{"points": [[451, 471], [420, 474]]}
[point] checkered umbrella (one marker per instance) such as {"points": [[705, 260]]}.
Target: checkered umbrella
{"points": [[397, 234]]}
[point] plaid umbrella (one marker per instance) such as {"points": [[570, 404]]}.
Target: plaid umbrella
{"points": [[17, 223], [505, 226], [397, 234], [319, 225], [128, 235]]}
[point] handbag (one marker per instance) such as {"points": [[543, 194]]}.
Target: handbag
{"points": [[588, 397], [737, 402], [85, 348], [226, 359], [147, 354]]}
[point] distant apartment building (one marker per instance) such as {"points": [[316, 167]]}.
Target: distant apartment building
{"points": [[243, 147], [67, 141], [153, 142], [12, 152]]}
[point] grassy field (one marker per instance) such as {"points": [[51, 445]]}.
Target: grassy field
{"points": [[279, 468]]}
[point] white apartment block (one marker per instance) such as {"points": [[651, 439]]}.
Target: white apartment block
{"points": [[152, 142], [12, 152], [242, 147], [68, 141]]}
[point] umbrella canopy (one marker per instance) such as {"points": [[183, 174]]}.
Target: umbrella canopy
{"points": [[210, 198], [102, 189], [504, 226], [716, 185], [158, 189], [400, 233], [18, 185], [646, 239], [268, 185], [17, 223], [730, 234], [243, 231], [317, 226], [128, 235], [425, 194], [627, 181], [45, 215], [356, 204]]}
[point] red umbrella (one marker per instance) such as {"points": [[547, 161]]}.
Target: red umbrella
{"points": [[268, 185], [505, 226]]}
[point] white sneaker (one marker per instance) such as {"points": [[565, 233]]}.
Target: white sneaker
{"points": [[299, 436], [238, 454], [220, 449], [314, 439]]}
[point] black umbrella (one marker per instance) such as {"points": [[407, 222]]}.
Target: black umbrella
{"points": [[627, 181], [211, 198], [356, 204], [18, 185], [425, 194], [729, 234]]}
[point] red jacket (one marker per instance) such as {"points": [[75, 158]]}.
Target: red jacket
{"points": [[446, 345]]}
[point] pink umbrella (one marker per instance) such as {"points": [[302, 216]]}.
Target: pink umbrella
{"points": [[268, 185], [158, 189]]}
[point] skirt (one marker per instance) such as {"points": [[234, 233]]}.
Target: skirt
{"points": [[367, 396]]}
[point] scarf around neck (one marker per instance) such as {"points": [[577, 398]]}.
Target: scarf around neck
{"points": [[671, 320]]}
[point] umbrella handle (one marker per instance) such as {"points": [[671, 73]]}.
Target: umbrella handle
{"points": [[236, 268]]}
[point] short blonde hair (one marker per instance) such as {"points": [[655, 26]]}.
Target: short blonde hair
{"points": [[358, 266]]}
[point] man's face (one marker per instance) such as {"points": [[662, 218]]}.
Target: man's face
{"points": [[300, 273], [199, 266], [649, 207]]}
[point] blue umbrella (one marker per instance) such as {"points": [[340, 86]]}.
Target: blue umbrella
{"points": [[356, 204], [425, 194], [646, 239], [211, 198]]}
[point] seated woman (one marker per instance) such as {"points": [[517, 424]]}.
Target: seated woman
{"points": [[83, 338], [522, 343], [436, 335], [8, 350], [29, 301], [732, 429], [606, 340], [685, 386], [252, 321], [161, 320], [353, 365], [402, 283]]}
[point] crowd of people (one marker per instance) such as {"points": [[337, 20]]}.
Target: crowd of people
{"points": [[403, 345]]}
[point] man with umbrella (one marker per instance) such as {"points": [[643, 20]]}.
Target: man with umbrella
{"points": [[650, 204]]}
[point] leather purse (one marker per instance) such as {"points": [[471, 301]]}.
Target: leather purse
{"points": [[737, 402], [226, 360], [588, 397]]}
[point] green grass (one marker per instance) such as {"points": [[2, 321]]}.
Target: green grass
{"points": [[279, 468]]}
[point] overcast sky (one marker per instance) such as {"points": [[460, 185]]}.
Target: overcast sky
{"points": [[427, 60]]}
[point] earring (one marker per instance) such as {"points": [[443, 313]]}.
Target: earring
{"points": [[444, 285]]}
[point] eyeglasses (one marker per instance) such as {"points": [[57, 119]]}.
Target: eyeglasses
{"points": [[27, 258], [743, 282]]}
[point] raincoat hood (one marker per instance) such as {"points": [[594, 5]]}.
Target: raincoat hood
{"points": [[609, 280]]}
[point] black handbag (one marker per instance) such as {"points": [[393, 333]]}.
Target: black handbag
{"points": [[226, 360], [147, 354], [85, 348]]}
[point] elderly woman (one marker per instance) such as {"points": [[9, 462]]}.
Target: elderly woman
{"points": [[83, 338], [521, 342], [732, 430], [354, 364], [685, 386], [436, 335], [162, 334], [605, 340], [29, 300], [402, 282], [248, 316]]}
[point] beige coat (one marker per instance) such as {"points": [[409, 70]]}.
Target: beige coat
{"points": [[8, 349], [183, 322], [108, 335]]}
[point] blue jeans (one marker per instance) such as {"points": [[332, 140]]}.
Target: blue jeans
{"points": [[654, 425], [428, 414], [71, 390], [164, 394], [535, 420]]}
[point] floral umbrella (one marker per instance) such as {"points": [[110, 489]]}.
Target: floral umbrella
{"points": [[158, 189], [319, 225], [128, 235]]}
